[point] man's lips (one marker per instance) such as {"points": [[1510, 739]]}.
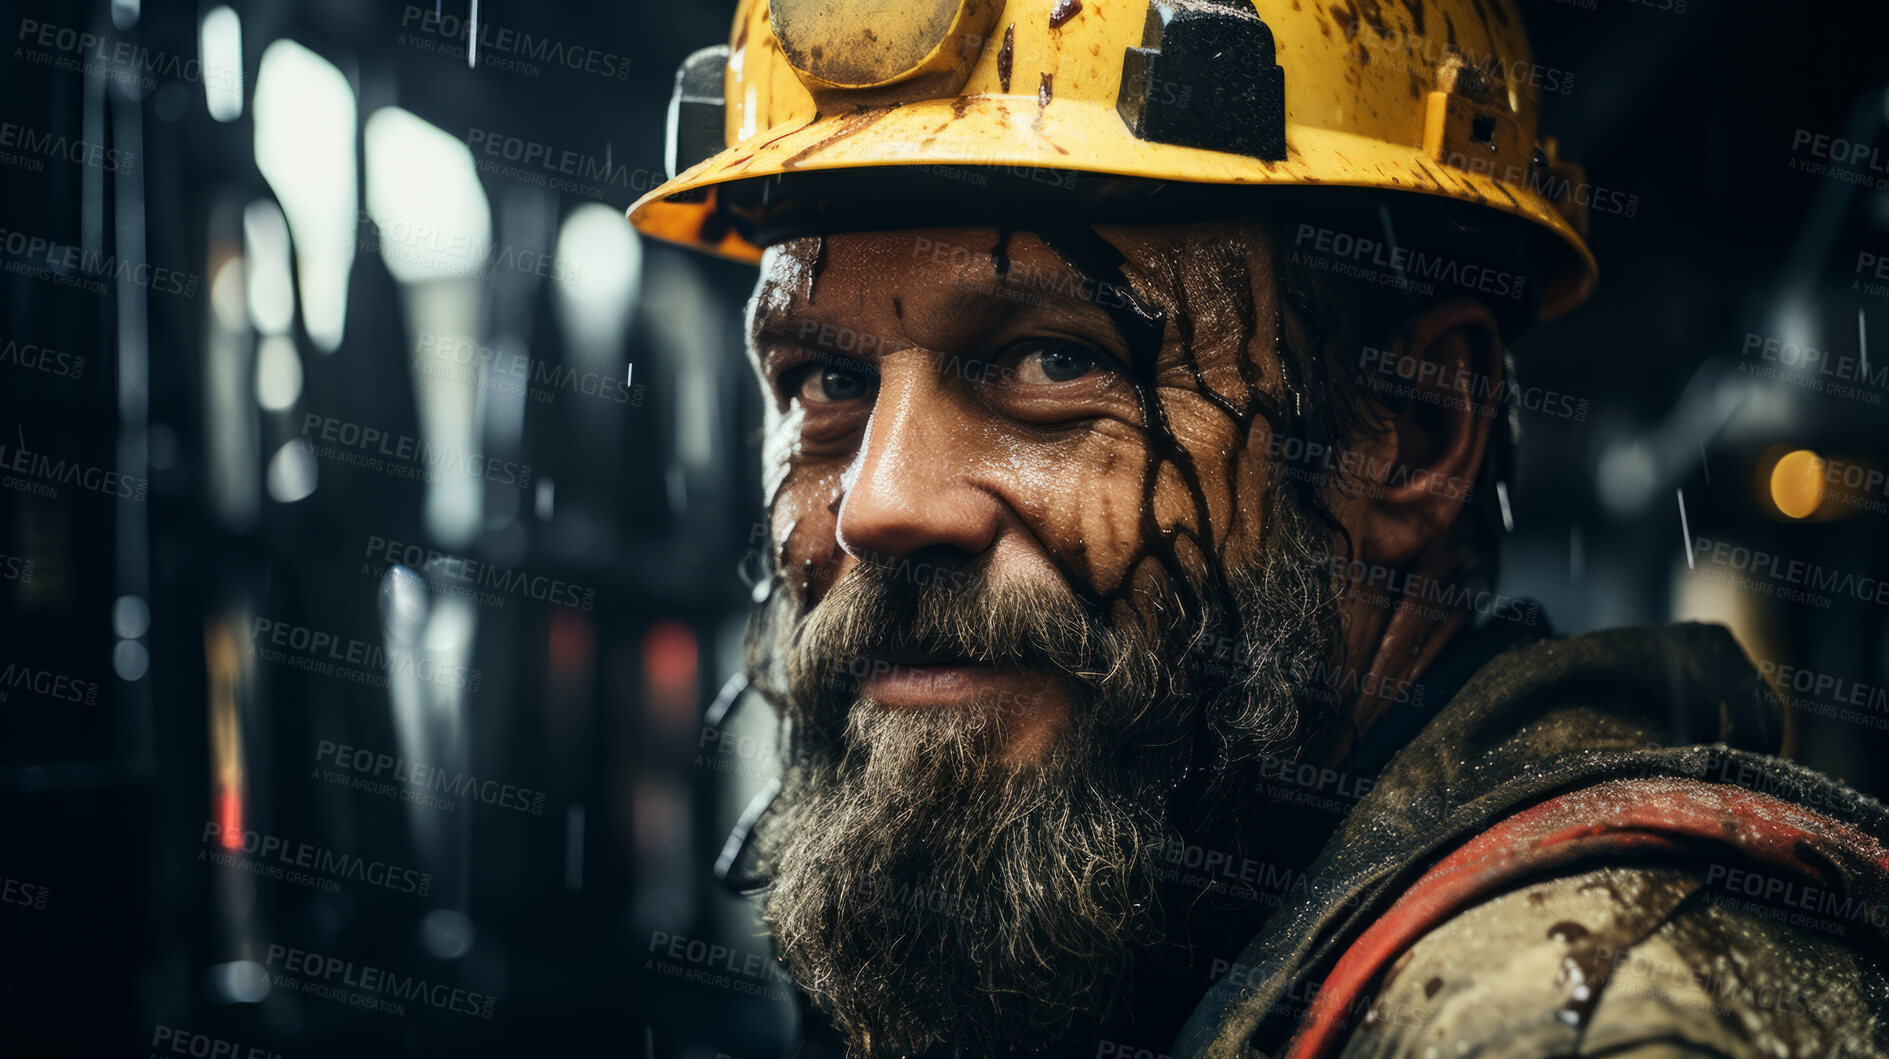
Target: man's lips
{"points": [[939, 680], [1034, 703]]}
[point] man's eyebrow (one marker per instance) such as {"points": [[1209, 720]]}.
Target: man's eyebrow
{"points": [[1059, 288], [783, 327], [832, 343]]}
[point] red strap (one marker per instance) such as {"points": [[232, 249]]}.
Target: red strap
{"points": [[1601, 822]]}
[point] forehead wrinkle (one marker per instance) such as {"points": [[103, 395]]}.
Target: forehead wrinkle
{"points": [[1030, 255], [1193, 261], [969, 269], [958, 294], [942, 317]]}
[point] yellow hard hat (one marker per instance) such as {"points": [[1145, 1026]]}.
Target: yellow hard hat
{"points": [[1437, 97]]}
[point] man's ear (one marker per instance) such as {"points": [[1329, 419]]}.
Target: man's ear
{"points": [[1441, 386]]}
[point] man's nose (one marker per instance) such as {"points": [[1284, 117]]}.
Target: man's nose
{"points": [[919, 470]]}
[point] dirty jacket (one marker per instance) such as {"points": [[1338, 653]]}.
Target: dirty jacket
{"points": [[1586, 851]]}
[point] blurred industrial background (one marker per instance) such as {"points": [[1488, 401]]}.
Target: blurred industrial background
{"points": [[375, 539]]}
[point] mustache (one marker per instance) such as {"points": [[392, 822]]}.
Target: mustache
{"points": [[877, 616]]}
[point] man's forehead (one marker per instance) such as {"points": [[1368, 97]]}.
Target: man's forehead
{"points": [[952, 256], [980, 270], [979, 274]]}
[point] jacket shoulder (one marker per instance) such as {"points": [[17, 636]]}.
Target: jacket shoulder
{"points": [[1629, 961]]}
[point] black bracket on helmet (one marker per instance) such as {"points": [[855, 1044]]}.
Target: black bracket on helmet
{"points": [[1205, 76], [697, 110]]}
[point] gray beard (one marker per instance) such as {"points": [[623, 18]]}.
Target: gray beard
{"points": [[926, 892]]}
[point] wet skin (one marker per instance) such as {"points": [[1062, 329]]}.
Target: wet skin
{"points": [[922, 408]]}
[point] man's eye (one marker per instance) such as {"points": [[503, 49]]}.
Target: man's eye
{"points": [[1038, 364], [830, 385]]}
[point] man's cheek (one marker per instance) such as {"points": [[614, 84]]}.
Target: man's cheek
{"points": [[1208, 440], [1256, 471], [805, 530], [1094, 519], [778, 441]]}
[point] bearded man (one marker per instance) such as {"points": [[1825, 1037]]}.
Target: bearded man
{"points": [[1131, 614]]}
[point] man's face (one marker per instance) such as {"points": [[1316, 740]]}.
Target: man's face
{"points": [[928, 411], [1011, 498]]}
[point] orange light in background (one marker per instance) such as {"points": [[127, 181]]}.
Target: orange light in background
{"points": [[670, 658], [229, 817], [223, 662], [661, 804], [1797, 483]]}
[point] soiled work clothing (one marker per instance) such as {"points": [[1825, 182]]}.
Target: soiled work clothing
{"points": [[1721, 902]]}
